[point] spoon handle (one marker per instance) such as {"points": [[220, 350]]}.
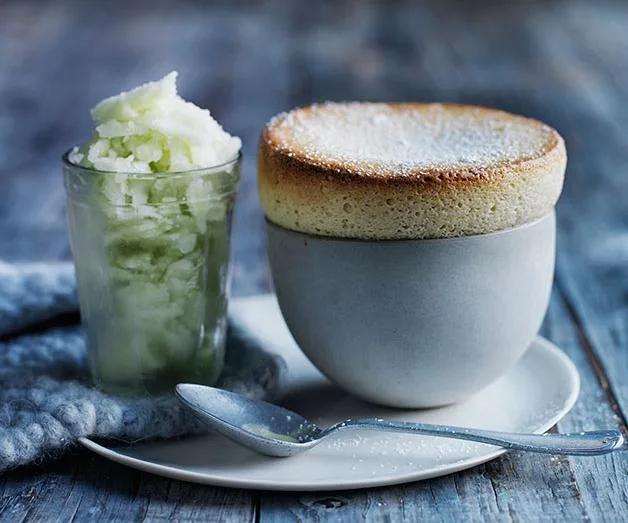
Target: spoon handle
{"points": [[578, 444]]}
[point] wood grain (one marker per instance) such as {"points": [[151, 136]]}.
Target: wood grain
{"points": [[82, 487], [606, 494], [514, 488], [565, 62]]}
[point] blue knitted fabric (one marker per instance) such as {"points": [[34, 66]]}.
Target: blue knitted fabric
{"points": [[46, 397]]}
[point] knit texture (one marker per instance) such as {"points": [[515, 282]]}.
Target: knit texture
{"points": [[47, 400]]}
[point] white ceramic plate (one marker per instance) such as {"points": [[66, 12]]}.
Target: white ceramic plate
{"points": [[532, 397]]}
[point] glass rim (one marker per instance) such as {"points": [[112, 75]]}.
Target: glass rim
{"points": [[65, 159]]}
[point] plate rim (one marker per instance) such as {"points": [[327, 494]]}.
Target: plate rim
{"points": [[221, 481]]}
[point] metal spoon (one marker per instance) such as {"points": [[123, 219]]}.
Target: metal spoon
{"points": [[275, 431]]}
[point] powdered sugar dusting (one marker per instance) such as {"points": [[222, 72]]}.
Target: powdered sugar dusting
{"points": [[373, 139]]}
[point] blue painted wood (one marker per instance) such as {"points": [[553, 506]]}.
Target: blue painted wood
{"points": [[561, 61], [606, 495], [516, 487], [82, 487]]}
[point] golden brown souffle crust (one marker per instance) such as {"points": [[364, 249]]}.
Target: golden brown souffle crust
{"points": [[407, 171]]}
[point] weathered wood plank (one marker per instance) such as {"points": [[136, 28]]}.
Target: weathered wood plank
{"points": [[178, 501], [84, 487], [64, 490], [605, 497], [517, 487]]}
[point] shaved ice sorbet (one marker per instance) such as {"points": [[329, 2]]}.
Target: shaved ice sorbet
{"points": [[150, 197]]}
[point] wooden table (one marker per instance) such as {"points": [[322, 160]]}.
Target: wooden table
{"points": [[565, 62]]}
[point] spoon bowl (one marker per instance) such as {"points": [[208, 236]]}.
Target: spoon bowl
{"points": [[258, 425], [275, 431]]}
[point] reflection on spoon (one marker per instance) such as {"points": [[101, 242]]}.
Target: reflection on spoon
{"points": [[265, 432]]}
